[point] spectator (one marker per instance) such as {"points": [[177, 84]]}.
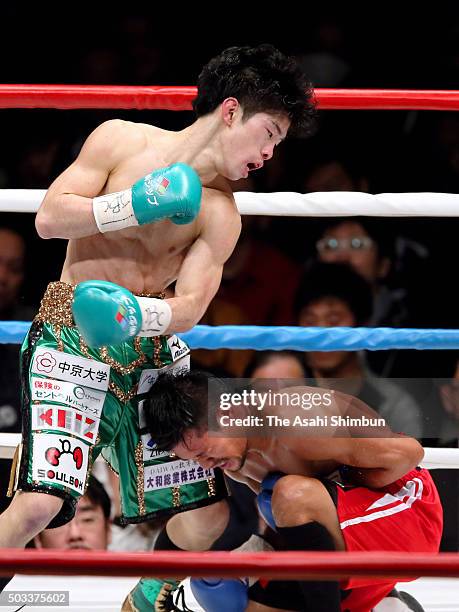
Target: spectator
{"points": [[438, 396], [361, 242], [333, 295], [276, 365], [368, 247], [327, 60], [260, 279], [38, 162], [12, 271], [222, 312], [335, 175], [90, 528], [12, 263], [257, 288]]}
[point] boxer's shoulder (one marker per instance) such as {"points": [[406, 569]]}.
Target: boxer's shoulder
{"points": [[111, 142], [218, 200], [123, 130], [219, 222]]}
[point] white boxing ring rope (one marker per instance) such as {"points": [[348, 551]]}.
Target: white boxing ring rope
{"points": [[293, 204], [434, 458]]}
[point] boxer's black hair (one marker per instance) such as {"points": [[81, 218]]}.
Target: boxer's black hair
{"points": [[262, 79], [175, 404]]}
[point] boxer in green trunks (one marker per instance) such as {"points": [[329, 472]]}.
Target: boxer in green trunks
{"points": [[81, 401], [132, 209]]}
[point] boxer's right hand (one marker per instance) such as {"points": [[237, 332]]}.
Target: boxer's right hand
{"points": [[169, 193]]}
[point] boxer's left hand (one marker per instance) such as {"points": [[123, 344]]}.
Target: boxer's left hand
{"points": [[107, 314], [265, 496]]}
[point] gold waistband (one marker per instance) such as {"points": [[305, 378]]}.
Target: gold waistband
{"points": [[56, 304]]}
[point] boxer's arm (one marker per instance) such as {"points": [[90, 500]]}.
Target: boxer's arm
{"points": [[377, 462], [376, 456], [371, 462], [67, 210], [201, 270]]}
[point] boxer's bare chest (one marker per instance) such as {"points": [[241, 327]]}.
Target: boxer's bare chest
{"points": [[145, 258], [277, 457]]}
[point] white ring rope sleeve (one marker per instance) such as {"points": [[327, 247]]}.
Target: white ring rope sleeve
{"points": [[291, 204], [434, 458]]}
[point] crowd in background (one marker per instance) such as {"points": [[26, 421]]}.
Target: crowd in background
{"points": [[306, 272]]}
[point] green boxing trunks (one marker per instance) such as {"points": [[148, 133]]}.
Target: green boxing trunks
{"points": [[80, 402]]}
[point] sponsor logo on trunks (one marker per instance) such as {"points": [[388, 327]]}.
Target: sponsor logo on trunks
{"points": [[149, 451], [173, 474], [148, 377], [53, 454], [89, 401], [45, 362], [177, 347], [61, 477], [181, 366], [59, 459], [45, 416], [71, 368]]}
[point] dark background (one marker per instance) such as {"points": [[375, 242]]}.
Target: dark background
{"points": [[144, 43], [384, 45]]}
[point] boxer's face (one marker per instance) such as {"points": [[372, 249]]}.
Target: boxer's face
{"points": [[249, 142], [211, 451]]}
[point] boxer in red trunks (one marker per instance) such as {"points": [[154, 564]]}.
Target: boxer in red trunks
{"points": [[328, 486]]}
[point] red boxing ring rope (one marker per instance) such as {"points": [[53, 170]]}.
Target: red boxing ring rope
{"points": [[179, 98], [278, 565]]}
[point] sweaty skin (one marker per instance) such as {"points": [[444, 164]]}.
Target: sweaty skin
{"points": [[150, 257], [221, 146], [305, 457], [310, 451]]}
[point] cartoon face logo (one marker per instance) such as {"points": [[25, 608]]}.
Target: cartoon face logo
{"points": [[45, 363], [53, 454]]}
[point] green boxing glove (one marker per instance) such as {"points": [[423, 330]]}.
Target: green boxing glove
{"points": [[107, 314], [169, 193]]}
